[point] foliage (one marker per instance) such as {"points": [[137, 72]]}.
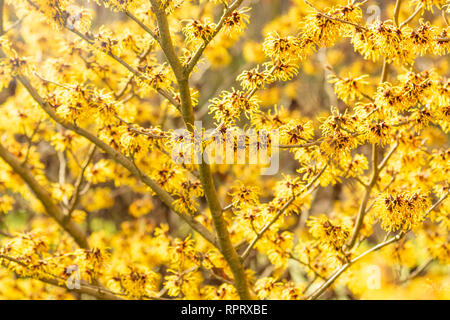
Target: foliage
{"points": [[92, 95]]}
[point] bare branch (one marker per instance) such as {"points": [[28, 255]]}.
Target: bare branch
{"points": [[79, 182], [44, 197], [279, 213]]}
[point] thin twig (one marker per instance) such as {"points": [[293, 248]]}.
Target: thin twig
{"points": [[404, 23], [330, 280], [44, 197], [418, 271], [142, 25], [130, 78], [79, 182], [376, 169], [279, 213], [357, 26]]}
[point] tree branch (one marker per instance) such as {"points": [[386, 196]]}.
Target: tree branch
{"points": [[376, 169], [330, 280], [165, 197], [95, 291], [76, 197], [226, 247], [44, 197]]}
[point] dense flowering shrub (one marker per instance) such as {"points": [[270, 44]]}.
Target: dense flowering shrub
{"points": [[98, 197]]}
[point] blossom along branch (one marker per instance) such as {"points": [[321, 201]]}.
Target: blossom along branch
{"points": [[279, 213], [138, 74], [198, 54], [357, 26], [330, 68], [131, 126], [135, 72], [84, 288], [319, 141], [121, 159], [362, 28], [375, 167], [254, 90], [225, 245], [332, 278]]}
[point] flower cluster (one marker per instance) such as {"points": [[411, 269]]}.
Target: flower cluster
{"points": [[402, 211]]}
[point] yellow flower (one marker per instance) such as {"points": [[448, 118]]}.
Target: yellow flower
{"points": [[78, 216], [333, 235], [401, 211], [349, 89], [6, 204], [196, 30], [280, 48], [137, 282], [243, 196], [140, 207], [253, 52], [266, 286]]}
